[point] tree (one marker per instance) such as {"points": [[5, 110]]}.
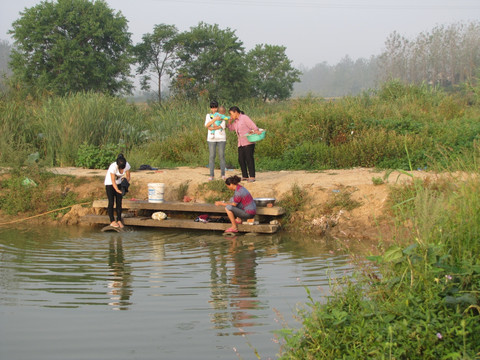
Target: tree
{"points": [[72, 46], [5, 50], [212, 64], [446, 56], [272, 73], [156, 55]]}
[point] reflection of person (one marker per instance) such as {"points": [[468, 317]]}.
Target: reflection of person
{"points": [[243, 125], [216, 138], [241, 206], [119, 285], [117, 171], [244, 289]]}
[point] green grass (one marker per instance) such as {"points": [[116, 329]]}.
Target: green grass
{"points": [[32, 189], [419, 299], [369, 130]]}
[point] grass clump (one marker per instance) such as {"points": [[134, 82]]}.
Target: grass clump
{"points": [[293, 202], [32, 189], [214, 190], [340, 199], [182, 190]]}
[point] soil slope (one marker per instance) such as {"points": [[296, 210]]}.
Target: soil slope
{"points": [[367, 221]]}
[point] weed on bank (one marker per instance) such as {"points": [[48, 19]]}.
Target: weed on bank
{"points": [[422, 299], [369, 130]]}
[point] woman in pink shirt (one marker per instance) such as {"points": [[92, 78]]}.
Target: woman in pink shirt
{"points": [[243, 125]]}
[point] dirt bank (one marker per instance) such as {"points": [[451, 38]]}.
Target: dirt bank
{"points": [[363, 222]]}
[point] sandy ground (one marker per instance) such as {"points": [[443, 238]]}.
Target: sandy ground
{"points": [[369, 220]]}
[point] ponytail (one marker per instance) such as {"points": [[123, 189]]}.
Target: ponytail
{"points": [[236, 109]]}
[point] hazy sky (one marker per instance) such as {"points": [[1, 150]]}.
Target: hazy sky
{"points": [[313, 31]]}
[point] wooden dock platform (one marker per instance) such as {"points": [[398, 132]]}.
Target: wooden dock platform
{"points": [[181, 215]]}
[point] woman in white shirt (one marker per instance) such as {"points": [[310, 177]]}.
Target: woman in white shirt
{"points": [[216, 137], [117, 171]]}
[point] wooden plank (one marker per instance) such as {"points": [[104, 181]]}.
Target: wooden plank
{"points": [[182, 224], [184, 207]]}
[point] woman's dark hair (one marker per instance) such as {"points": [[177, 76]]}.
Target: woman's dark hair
{"points": [[233, 180], [236, 109], [213, 104], [121, 161]]}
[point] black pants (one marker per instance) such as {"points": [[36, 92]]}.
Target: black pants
{"points": [[112, 196], [246, 160]]}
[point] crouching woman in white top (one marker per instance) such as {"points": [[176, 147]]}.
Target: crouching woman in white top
{"points": [[116, 172]]}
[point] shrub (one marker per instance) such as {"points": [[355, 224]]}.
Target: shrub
{"points": [[94, 157]]}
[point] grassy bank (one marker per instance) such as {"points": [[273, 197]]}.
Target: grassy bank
{"points": [[371, 130], [420, 298]]}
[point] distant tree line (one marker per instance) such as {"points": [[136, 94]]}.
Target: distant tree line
{"points": [[447, 56], [348, 77], [69, 46]]}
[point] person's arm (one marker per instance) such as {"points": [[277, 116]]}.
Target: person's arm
{"points": [[231, 125], [114, 183], [224, 203], [127, 175], [208, 122], [251, 125]]}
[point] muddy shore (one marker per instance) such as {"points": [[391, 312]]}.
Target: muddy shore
{"points": [[369, 220]]}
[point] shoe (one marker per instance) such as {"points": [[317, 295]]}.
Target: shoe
{"points": [[231, 230], [114, 224], [224, 177], [244, 179], [238, 221], [210, 178], [251, 180]]}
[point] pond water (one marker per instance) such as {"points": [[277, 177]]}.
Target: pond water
{"points": [[78, 293]]}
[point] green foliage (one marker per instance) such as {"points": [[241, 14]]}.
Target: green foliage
{"points": [[215, 190], [393, 321], [307, 134], [340, 199], [156, 56], [32, 188], [71, 46], [182, 190], [93, 157], [294, 201], [377, 181], [66, 123], [211, 64], [272, 73], [417, 300]]}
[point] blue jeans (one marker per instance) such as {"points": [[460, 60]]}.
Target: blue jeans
{"points": [[212, 148]]}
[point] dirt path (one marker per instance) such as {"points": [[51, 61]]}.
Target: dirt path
{"points": [[361, 223]]}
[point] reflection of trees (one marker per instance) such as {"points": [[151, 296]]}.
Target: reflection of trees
{"points": [[119, 284]]}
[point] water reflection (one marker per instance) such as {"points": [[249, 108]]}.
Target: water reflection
{"points": [[186, 293], [244, 281], [119, 284], [234, 287]]}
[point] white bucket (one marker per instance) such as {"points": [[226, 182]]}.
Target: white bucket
{"points": [[155, 192]]}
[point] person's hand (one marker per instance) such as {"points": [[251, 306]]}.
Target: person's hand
{"points": [[118, 190]]}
